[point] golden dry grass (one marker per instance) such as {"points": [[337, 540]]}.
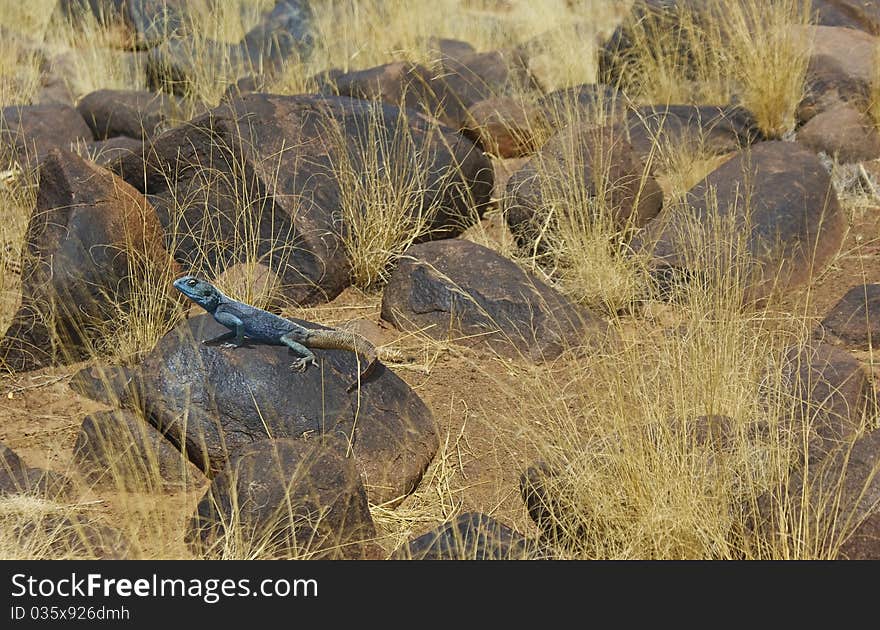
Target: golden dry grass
{"points": [[616, 424]]}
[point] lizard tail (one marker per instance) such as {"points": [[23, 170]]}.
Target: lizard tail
{"points": [[345, 340]]}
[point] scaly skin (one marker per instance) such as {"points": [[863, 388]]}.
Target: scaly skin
{"points": [[249, 323]]}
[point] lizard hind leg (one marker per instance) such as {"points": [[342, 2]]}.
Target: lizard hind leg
{"points": [[306, 356]]}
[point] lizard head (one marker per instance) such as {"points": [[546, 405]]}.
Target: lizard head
{"points": [[201, 292]]}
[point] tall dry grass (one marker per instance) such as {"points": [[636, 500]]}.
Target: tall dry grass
{"points": [[712, 52], [616, 425]]}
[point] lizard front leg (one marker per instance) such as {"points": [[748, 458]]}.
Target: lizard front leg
{"points": [[236, 330], [306, 356]]}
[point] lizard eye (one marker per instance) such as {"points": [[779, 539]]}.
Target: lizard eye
{"points": [[191, 282]]}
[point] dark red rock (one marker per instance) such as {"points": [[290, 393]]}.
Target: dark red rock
{"points": [[580, 157], [133, 113], [91, 236], [778, 196], [842, 132], [505, 127], [855, 319], [471, 536], [830, 395], [212, 402], [282, 151], [287, 499], [456, 289], [16, 477], [839, 500], [120, 449], [27, 133]]}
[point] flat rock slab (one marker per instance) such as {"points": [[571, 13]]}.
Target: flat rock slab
{"points": [[776, 198], [461, 291], [855, 319], [471, 536], [212, 401], [286, 499]]}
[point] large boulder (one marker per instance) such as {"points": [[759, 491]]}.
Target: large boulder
{"points": [[659, 20], [505, 127], [177, 64], [579, 162], [853, 14], [445, 92], [132, 113], [471, 536], [855, 319], [107, 152], [268, 166], [469, 79], [90, 238], [399, 83], [283, 32], [286, 499], [775, 198], [211, 402], [149, 21], [27, 133], [456, 289]]}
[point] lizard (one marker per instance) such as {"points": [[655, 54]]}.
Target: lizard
{"points": [[249, 323]]}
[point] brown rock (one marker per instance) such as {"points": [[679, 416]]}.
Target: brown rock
{"points": [[571, 165], [505, 127], [16, 477], [839, 500], [131, 113], [840, 70], [27, 133], [467, 80], [213, 402], [285, 151], [107, 152], [778, 196], [706, 128], [831, 395], [91, 236], [856, 317], [854, 14], [842, 132], [471, 536], [287, 499], [456, 289], [120, 449]]}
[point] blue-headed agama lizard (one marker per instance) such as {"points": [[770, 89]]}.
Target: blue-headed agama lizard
{"points": [[249, 323]]}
